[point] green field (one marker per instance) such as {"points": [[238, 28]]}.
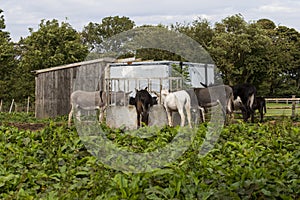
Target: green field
{"points": [[273, 111], [286, 111], [248, 161]]}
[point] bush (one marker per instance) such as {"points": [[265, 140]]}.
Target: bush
{"points": [[249, 161]]}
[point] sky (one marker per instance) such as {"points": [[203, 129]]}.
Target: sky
{"points": [[21, 15]]}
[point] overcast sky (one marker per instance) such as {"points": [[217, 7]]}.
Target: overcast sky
{"points": [[21, 15]]}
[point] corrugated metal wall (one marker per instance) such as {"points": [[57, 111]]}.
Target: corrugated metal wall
{"points": [[55, 85]]}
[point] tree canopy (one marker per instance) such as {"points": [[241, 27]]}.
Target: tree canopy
{"points": [[254, 52], [257, 52], [93, 34], [7, 59], [53, 44]]}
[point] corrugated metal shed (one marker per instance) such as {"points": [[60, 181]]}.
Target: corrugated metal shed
{"points": [[53, 86]]}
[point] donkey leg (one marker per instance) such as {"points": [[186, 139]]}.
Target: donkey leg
{"points": [[78, 114], [202, 113], [188, 113], [261, 112], [169, 113], [182, 116], [101, 113], [138, 121], [145, 119], [252, 117]]}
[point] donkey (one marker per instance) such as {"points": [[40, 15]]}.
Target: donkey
{"points": [[96, 100], [177, 101], [87, 101], [259, 104], [143, 101], [216, 95], [246, 94]]}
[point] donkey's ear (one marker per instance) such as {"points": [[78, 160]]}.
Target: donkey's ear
{"points": [[156, 93], [146, 88]]}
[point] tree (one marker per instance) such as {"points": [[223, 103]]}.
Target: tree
{"points": [[155, 53], [259, 53], [170, 44], [7, 60], [51, 45], [200, 30], [283, 62], [266, 24], [93, 34], [238, 49]]}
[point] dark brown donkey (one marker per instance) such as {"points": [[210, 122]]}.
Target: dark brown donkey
{"points": [[143, 102]]}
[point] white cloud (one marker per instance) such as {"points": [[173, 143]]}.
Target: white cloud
{"points": [[79, 13], [276, 8]]}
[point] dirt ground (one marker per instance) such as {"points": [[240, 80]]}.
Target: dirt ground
{"points": [[27, 126], [40, 126]]}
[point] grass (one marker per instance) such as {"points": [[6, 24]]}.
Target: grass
{"points": [[273, 111], [286, 109]]}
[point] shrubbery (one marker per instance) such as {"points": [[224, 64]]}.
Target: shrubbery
{"points": [[249, 161]]}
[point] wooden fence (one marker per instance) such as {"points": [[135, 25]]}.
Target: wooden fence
{"points": [[289, 105], [278, 107], [27, 105], [275, 106]]}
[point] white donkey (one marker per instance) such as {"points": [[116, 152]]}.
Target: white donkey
{"points": [[177, 101], [96, 100]]}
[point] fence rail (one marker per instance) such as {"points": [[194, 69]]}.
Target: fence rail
{"points": [[27, 105], [275, 106], [278, 107], [283, 100], [292, 104], [153, 84]]}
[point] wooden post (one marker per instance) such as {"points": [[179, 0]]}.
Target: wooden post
{"points": [[12, 103], [294, 106], [160, 88], [28, 100], [1, 105]]}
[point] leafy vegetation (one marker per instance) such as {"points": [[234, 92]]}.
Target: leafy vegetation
{"points": [[7, 61], [249, 161]]}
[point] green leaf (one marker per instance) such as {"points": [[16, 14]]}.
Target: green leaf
{"points": [[266, 192]]}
